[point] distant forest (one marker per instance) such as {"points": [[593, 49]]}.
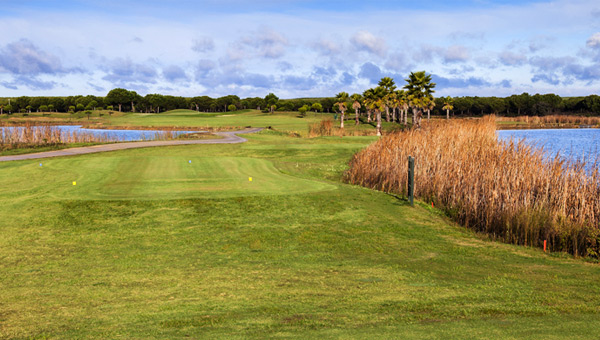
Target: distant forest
{"points": [[130, 101]]}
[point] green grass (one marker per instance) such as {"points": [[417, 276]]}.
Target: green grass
{"points": [[284, 121], [149, 246], [289, 122]]}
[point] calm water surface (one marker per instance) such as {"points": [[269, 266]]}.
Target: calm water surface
{"points": [[114, 135], [573, 144]]}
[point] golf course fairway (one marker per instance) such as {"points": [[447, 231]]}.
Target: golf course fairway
{"points": [[129, 175], [148, 245]]}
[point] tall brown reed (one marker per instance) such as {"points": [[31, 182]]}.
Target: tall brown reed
{"points": [[326, 128], [507, 190], [553, 120], [31, 135]]}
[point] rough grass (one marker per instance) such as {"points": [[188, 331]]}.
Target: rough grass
{"points": [[346, 262]]}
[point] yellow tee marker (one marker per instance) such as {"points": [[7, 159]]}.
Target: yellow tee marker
{"points": [[74, 183], [249, 179]]}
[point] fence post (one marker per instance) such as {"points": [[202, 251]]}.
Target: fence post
{"points": [[411, 180]]}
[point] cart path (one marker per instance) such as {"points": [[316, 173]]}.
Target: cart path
{"points": [[228, 138]]}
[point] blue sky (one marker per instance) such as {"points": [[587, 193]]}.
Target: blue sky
{"points": [[297, 48]]}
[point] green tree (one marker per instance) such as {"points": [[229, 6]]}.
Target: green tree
{"points": [[448, 101], [317, 107], [379, 104], [79, 107], [8, 108], [369, 100], [419, 93], [341, 99], [388, 85], [155, 101], [118, 97], [303, 110], [402, 104], [271, 101], [231, 107], [356, 99], [92, 105]]}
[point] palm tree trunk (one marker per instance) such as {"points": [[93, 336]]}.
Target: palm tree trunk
{"points": [[369, 116], [378, 122], [356, 111], [132, 107], [447, 114], [387, 114], [342, 120], [119, 107], [428, 114]]}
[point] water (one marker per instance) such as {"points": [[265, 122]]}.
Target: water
{"points": [[113, 135], [571, 144]]}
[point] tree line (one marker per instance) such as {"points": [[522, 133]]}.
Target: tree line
{"points": [[129, 101], [123, 100]]}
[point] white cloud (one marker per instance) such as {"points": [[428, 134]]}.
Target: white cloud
{"points": [[366, 41], [456, 53], [509, 58], [266, 42], [594, 41], [327, 47]]}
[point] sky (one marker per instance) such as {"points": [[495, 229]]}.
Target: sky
{"points": [[297, 48]]}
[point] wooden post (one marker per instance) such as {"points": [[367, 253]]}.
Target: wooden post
{"points": [[411, 180]]}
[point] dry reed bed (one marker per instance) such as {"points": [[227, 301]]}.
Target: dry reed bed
{"points": [[506, 190], [326, 128], [553, 120], [40, 135]]}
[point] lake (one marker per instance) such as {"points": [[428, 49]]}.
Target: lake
{"points": [[112, 135], [573, 144]]}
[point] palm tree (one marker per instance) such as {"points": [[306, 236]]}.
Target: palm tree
{"points": [[356, 105], [388, 86], [419, 89], [403, 105], [448, 101], [342, 98], [369, 99], [379, 104], [430, 105]]}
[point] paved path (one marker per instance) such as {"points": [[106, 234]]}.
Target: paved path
{"points": [[228, 138]]}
